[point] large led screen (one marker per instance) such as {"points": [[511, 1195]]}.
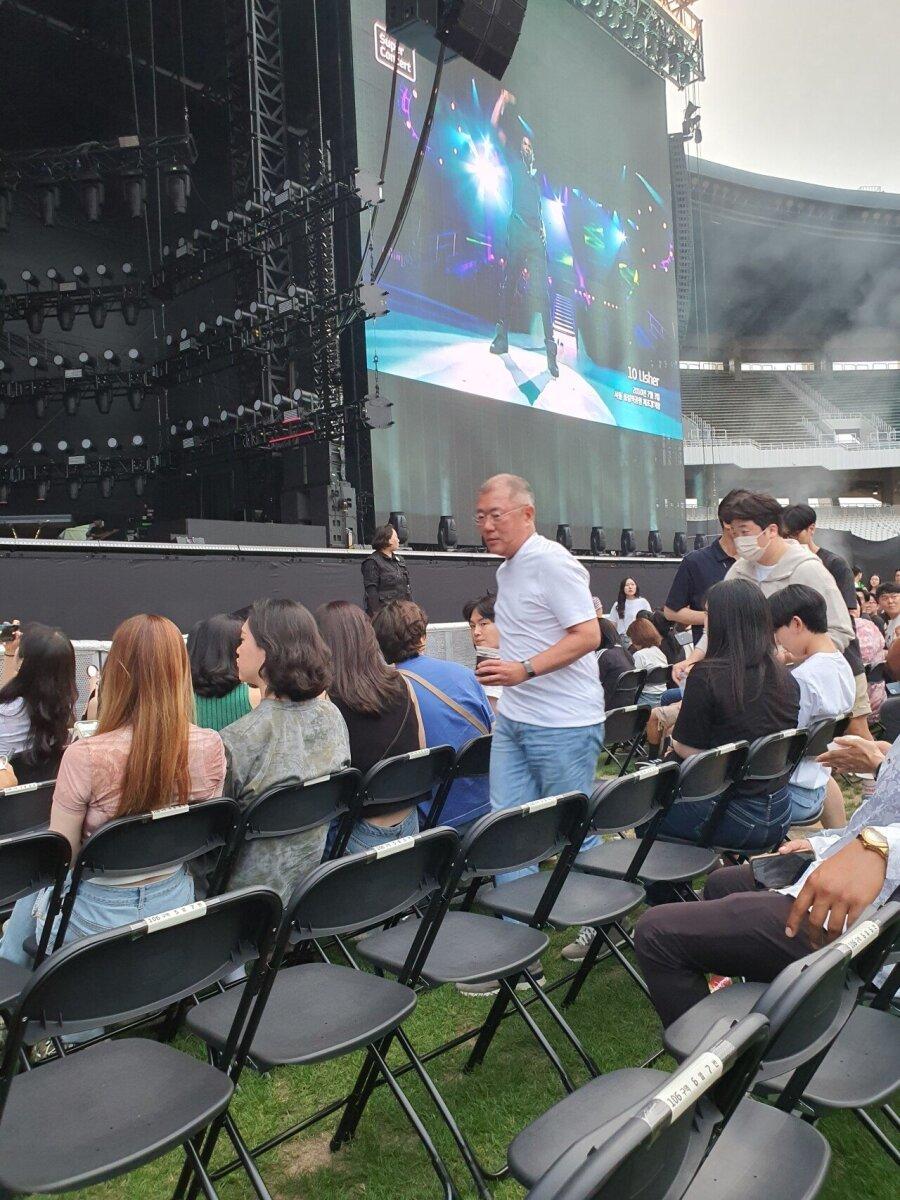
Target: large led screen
{"points": [[536, 262]]}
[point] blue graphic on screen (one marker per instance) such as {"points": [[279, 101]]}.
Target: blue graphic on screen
{"points": [[515, 280]]}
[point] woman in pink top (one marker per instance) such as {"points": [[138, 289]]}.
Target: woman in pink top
{"points": [[146, 754]]}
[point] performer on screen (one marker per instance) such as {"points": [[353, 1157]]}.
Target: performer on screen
{"points": [[526, 241]]}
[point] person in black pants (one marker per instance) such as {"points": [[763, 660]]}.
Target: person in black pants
{"points": [[526, 248], [385, 575]]}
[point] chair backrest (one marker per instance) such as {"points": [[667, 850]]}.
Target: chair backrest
{"points": [[872, 939], [889, 716], [709, 775], [150, 843], [654, 1148], [472, 761], [627, 688], [874, 673], [625, 724], [371, 887], [406, 779], [522, 836], [820, 733], [29, 862], [282, 811], [44, 770], [772, 759], [658, 677], [25, 807], [141, 968], [620, 804]]}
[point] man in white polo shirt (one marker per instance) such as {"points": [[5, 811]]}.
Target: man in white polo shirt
{"points": [[549, 727]]}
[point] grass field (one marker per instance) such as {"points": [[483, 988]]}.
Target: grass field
{"points": [[516, 1084]]}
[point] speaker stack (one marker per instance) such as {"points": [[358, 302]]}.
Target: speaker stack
{"points": [[484, 32]]}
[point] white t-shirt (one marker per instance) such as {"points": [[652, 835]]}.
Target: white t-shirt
{"points": [[891, 630], [15, 727], [648, 660], [542, 591], [633, 606], [762, 573], [827, 689]]}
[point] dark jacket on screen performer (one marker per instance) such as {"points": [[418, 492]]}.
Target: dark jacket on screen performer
{"points": [[384, 579]]}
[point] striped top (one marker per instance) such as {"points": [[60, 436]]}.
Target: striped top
{"points": [[215, 712]]}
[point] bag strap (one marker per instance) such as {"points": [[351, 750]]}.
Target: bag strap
{"points": [[442, 696]]}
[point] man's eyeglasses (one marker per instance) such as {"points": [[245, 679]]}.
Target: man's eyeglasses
{"points": [[495, 516]]}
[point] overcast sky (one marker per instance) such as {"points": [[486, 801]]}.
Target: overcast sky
{"points": [[805, 89]]}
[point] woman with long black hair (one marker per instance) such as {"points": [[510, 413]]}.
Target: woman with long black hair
{"points": [[740, 691], [629, 603], [37, 705]]}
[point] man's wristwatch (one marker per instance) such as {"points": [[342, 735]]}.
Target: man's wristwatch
{"points": [[873, 840], [530, 672]]}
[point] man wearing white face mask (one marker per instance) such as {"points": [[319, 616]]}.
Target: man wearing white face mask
{"points": [[771, 561]]}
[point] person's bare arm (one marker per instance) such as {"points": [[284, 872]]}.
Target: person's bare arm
{"points": [[684, 751], [681, 670], [892, 661], [577, 641], [684, 616], [854, 753], [503, 99], [837, 892], [9, 658]]}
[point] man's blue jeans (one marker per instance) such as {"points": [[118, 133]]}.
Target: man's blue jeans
{"points": [[531, 761]]}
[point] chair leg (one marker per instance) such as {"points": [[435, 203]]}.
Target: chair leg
{"points": [[358, 1098], [201, 1179], [495, 1016], [488, 1029], [891, 1115], [878, 1134], [247, 1162], [587, 964], [560, 1020]]}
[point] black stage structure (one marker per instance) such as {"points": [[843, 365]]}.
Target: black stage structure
{"points": [[88, 588]]}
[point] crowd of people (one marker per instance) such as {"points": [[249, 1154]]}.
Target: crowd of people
{"points": [[780, 633]]}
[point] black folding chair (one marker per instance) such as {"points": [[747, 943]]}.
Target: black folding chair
{"points": [[402, 781], [587, 898], [149, 844], [29, 862], [764, 1150], [702, 777], [657, 677], [889, 718], [96, 1115], [627, 688], [470, 947], [44, 770], [288, 811], [874, 673], [319, 1011], [818, 737], [623, 728], [25, 807], [471, 761], [853, 1066], [648, 1145]]}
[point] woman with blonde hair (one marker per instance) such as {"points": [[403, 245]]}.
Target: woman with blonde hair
{"points": [[146, 755]]}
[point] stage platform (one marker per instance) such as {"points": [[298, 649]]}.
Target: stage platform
{"points": [[87, 588]]}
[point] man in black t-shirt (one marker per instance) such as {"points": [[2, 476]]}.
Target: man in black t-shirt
{"points": [[698, 571], [526, 242]]}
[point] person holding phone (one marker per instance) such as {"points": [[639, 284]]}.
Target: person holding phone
{"points": [[754, 920], [485, 638]]}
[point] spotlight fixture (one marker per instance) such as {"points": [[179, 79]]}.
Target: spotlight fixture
{"points": [[447, 537], [55, 276], [4, 493], [4, 449], [111, 358], [40, 407], [30, 279], [74, 488], [400, 523], [106, 486], [48, 202], [43, 490], [136, 397], [104, 400], [627, 543], [97, 312], [5, 367], [134, 193], [62, 447], [60, 360], [178, 187], [36, 363], [112, 443], [72, 401], [679, 544], [137, 440], [86, 360], [140, 483], [65, 315], [564, 536], [598, 540], [699, 541], [81, 275], [34, 315], [37, 448], [92, 193], [130, 310], [87, 444], [654, 543]]}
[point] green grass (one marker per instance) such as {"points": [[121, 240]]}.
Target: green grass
{"points": [[516, 1083]]}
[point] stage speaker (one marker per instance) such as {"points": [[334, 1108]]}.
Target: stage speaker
{"points": [[679, 544], [447, 534], [654, 543], [598, 540], [400, 523], [627, 543], [484, 32], [564, 536], [699, 541]]}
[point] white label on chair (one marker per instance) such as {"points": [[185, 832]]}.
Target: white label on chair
{"points": [[728, 747], [536, 805], [175, 916], [685, 1087], [859, 937], [418, 753], [312, 782], [172, 811], [24, 787], [646, 773], [394, 847]]}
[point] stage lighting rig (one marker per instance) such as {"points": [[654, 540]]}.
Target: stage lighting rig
{"points": [[68, 298], [665, 35]]}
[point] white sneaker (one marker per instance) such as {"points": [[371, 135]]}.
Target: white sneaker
{"points": [[577, 950]]}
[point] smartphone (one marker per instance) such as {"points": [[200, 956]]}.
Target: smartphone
{"points": [[8, 630], [776, 871], [486, 652]]}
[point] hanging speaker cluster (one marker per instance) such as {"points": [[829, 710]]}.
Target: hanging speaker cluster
{"points": [[484, 32]]}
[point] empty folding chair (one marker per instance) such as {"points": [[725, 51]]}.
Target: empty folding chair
{"points": [[587, 899], [472, 761], [29, 862], [25, 807], [763, 1150], [627, 688], [92, 1116], [702, 777], [889, 717], [623, 729], [287, 811], [319, 1011], [403, 781]]}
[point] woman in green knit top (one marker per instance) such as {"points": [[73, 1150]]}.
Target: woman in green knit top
{"points": [[219, 696]]}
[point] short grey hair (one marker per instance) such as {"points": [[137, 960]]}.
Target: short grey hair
{"points": [[519, 489]]}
